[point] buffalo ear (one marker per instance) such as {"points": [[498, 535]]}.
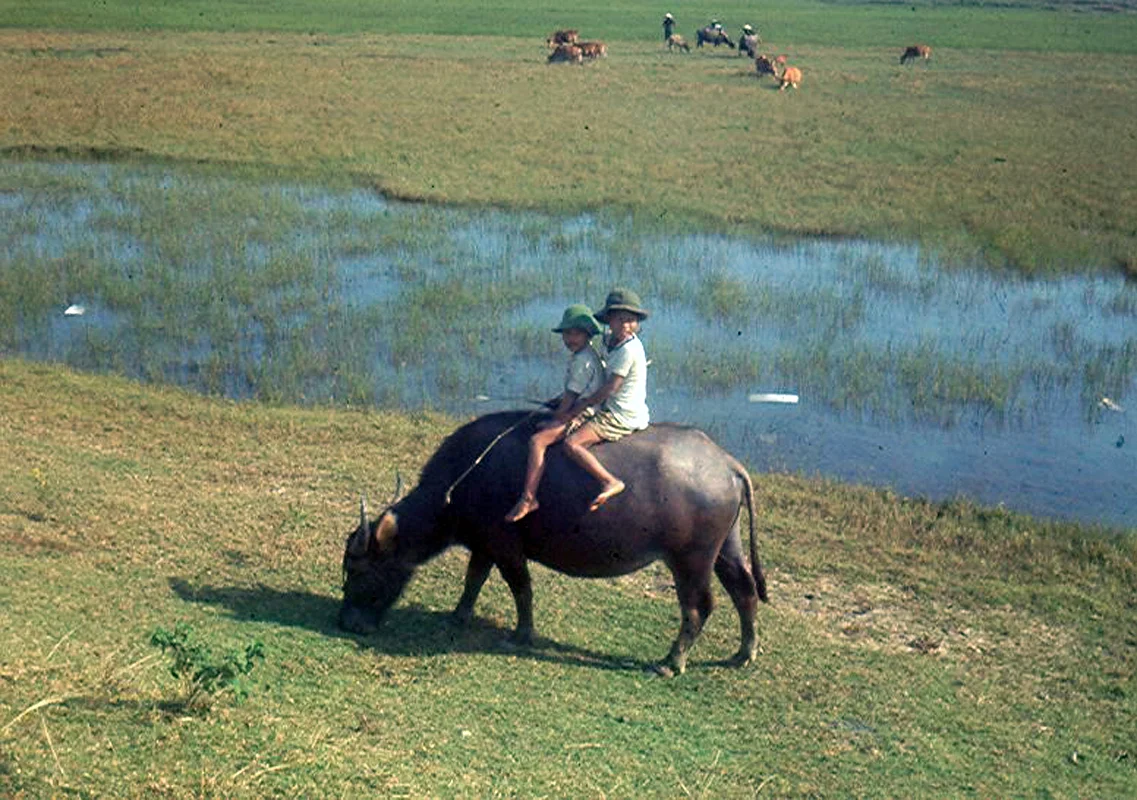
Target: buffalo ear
{"points": [[385, 531]]}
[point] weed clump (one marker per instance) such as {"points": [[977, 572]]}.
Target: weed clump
{"points": [[207, 675]]}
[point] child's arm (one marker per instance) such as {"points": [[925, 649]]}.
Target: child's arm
{"points": [[609, 388], [567, 408]]}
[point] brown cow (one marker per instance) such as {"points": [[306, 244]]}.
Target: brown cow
{"points": [[791, 76], [764, 66], [677, 42], [568, 53], [567, 36], [593, 49], [915, 51]]}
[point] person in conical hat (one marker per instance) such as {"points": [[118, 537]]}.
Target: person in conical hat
{"points": [[668, 26], [621, 402], [584, 376]]}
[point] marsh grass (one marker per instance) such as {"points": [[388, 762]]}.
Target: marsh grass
{"points": [[910, 648], [291, 292], [1014, 158]]}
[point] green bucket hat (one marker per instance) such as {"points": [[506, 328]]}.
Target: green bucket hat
{"points": [[622, 300], [578, 316]]}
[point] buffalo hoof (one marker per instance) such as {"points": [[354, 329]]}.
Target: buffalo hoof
{"points": [[519, 640], [743, 658], [358, 620], [662, 670]]}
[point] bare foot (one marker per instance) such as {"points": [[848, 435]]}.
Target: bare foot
{"points": [[526, 505], [609, 491]]}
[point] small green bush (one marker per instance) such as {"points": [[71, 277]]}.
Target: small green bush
{"points": [[207, 674]]}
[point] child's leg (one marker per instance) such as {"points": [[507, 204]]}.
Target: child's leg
{"points": [[577, 448], [538, 444]]}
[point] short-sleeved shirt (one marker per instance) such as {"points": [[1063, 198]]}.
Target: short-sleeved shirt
{"points": [[585, 373], [629, 404]]}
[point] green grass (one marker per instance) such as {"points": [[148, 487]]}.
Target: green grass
{"points": [[910, 649], [1014, 146]]}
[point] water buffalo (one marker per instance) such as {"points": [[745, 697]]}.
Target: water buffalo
{"points": [[713, 36], [764, 66], [567, 53], [683, 505], [748, 44]]}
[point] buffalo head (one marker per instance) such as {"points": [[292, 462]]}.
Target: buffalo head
{"points": [[374, 574]]}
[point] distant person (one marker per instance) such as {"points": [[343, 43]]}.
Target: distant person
{"points": [[584, 376], [621, 402], [668, 26]]}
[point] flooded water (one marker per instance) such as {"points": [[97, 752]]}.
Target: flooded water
{"points": [[934, 382]]}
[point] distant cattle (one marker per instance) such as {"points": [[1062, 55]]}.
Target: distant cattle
{"points": [[593, 49], [914, 52], [567, 36], [712, 36], [748, 44], [677, 42], [568, 53], [764, 66], [791, 76]]}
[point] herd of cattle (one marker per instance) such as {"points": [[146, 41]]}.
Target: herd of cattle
{"points": [[568, 48]]}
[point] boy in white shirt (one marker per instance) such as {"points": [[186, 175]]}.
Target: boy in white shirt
{"points": [[621, 402], [584, 376]]}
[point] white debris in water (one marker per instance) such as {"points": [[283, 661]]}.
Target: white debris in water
{"points": [[74, 311], [772, 397], [1110, 405], [481, 398]]}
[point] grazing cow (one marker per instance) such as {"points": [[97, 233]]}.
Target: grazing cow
{"points": [[684, 506], [677, 42], [791, 76], [567, 36], [568, 53], [764, 66], [748, 44], [593, 49], [915, 51], [713, 36]]}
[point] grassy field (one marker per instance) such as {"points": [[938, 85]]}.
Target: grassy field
{"points": [[909, 649], [1015, 146]]}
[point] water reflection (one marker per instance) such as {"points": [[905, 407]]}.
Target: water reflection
{"points": [[937, 382]]}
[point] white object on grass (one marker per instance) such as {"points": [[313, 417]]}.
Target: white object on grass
{"points": [[74, 311], [1111, 405], [773, 397]]}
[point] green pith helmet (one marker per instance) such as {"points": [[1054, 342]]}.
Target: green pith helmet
{"points": [[622, 300], [578, 316]]}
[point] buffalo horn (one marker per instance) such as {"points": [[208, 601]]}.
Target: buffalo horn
{"points": [[357, 544]]}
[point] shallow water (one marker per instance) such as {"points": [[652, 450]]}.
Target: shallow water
{"points": [[935, 382]]}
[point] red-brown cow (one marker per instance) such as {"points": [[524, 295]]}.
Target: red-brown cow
{"points": [[567, 36], [593, 49], [791, 76], [677, 42]]}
